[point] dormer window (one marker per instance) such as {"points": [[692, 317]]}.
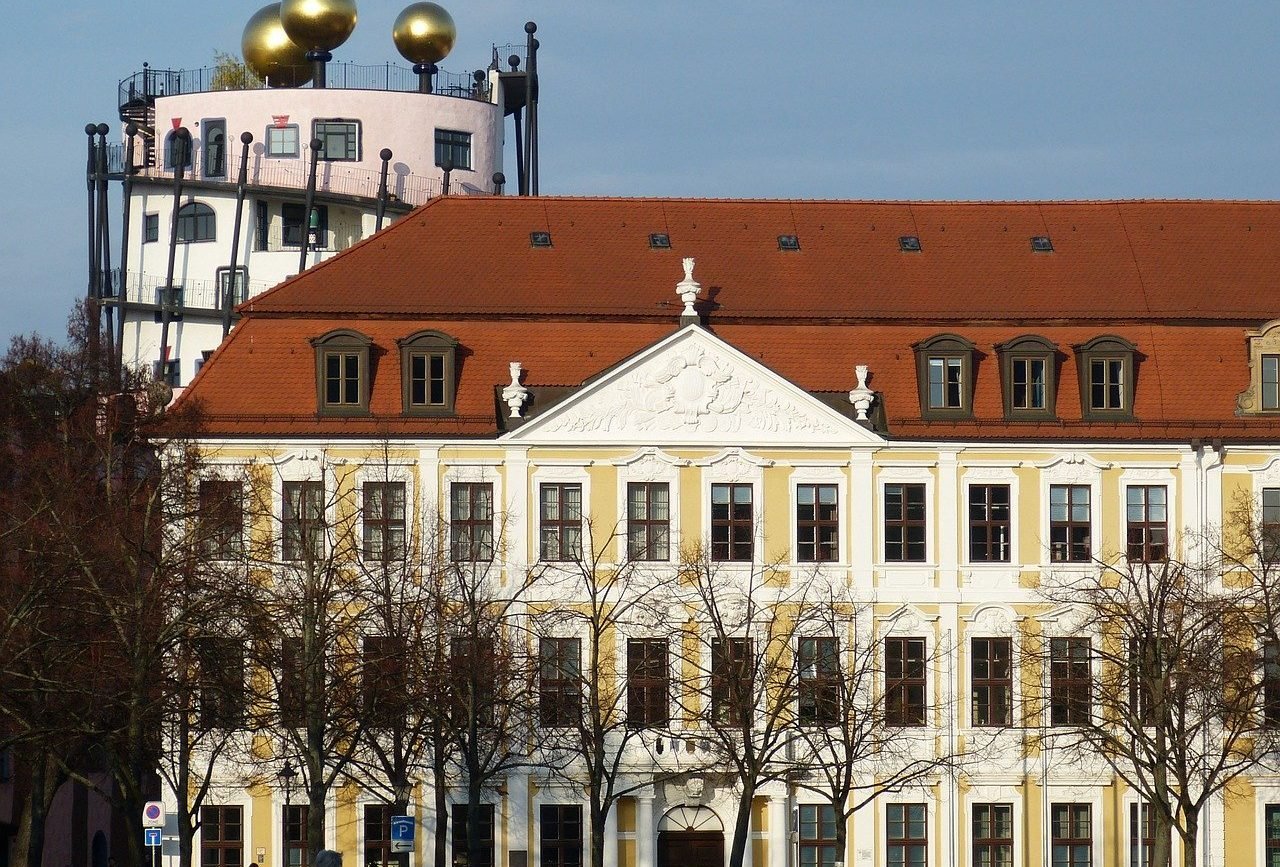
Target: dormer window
{"points": [[427, 371], [1106, 366], [342, 373], [1028, 369], [1263, 393], [944, 367]]}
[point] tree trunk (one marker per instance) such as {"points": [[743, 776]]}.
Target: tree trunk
{"points": [[315, 816], [842, 832], [1189, 835], [31, 827], [473, 812], [742, 828], [442, 815], [598, 841]]}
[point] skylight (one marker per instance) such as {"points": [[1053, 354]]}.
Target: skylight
{"points": [[660, 241], [788, 242], [1041, 244], [540, 239], [909, 244]]}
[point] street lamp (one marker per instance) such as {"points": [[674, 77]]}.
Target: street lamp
{"points": [[286, 775]]}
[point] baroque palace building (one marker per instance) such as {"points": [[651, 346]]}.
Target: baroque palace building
{"points": [[937, 408]]}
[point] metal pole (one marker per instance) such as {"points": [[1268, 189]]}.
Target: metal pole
{"points": [[533, 119], [529, 28], [514, 61], [448, 169], [122, 300], [246, 138], [318, 60], [310, 201], [385, 154], [425, 71], [91, 180], [181, 147], [104, 243]]}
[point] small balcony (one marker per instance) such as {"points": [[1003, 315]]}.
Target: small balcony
{"points": [[146, 291]]}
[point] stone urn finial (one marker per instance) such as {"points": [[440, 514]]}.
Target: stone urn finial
{"points": [[515, 394], [688, 289], [861, 397]]}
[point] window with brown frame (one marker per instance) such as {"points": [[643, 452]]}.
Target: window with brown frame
{"points": [[560, 522], [427, 373], [384, 680], [732, 681], [1106, 369], [559, 681], [992, 835], [383, 521], [905, 524], [1071, 843], [1146, 664], [1271, 382], [1142, 835], [817, 837], [221, 524], [990, 522], [560, 835], [991, 673], [905, 681], [221, 683], [1271, 683], [907, 835], [818, 680], [471, 522], [342, 373], [221, 837], [732, 523], [1146, 523], [1269, 528], [293, 682], [1271, 823], [1028, 367], [1070, 681], [1070, 524], [648, 682], [302, 535], [377, 836], [944, 368], [484, 831], [473, 670], [817, 524], [648, 521], [297, 851]]}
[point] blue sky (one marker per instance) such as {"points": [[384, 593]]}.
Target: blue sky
{"points": [[884, 100]]}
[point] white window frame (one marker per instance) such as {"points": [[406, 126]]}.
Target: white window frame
{"points": [[1078, 793], [468, 473], [908, 621], [994, 790], [561, 473], [304, 466], [1073, 469], [908, 573], [736, 466], [651, 465], [391, 471], [992, 620], [1138, 475], [982, 572]]}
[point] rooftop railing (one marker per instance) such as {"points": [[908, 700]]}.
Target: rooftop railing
{"points": [[151, 83], [204, 295]]}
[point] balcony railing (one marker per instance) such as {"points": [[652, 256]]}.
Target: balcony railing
{"points": [[335, 178], [150, 83], [203, 295]]}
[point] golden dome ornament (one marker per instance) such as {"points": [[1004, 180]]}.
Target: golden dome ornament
{"points": [[424, 34], [269, 51], [318, 27]]}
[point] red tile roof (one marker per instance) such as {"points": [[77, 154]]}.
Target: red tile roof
{"points": [[1183, 281]]}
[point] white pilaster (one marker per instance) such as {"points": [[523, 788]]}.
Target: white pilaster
{"points": [[646, 835], [516, 528], [860, 517], [517, 804], [778, 831], [948, 509], [611, 838]]}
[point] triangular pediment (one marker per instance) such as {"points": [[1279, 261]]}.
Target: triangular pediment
{"points": [[692, 389]]}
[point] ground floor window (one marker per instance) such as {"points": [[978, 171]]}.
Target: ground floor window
{"points": [[560, 833], [377, 836], [818, 836], [221, 837], [484, 828]]}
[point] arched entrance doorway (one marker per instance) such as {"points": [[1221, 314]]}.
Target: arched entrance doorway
{"points": [[690, 836]]}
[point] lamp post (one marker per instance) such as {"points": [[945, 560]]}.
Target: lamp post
{"points": [[402, 791], [286, 775]]}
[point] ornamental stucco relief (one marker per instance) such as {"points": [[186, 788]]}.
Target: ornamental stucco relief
{"points": [[692, 390]]}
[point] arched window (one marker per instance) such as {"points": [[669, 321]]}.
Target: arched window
{"points": [[945, 368], [172, 145], [342, 372], [428, 372], [196, 222], [1107, 367], [1029, 370]]}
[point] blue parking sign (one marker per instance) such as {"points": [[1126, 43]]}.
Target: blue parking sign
{"points": [[151, 837], [401, 833]]}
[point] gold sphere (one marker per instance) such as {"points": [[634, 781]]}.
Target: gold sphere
{"points": [[424, 33], [269, 52], [318, 25]]}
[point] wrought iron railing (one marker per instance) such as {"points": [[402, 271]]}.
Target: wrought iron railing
{"points": [[142, 87], [185, 295]]}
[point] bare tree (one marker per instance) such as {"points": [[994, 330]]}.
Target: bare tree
{"points": [[1176, 706], [601, 599]]}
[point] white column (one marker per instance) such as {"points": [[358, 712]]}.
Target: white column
{"points": [[861, 520], [646, 834], [779, 833], [862, 836], [426, 810], [948, 508], [611, 838], [518, 814], [748, 851], [516, 508]]}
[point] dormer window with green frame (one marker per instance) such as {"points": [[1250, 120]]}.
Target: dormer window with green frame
{"points": [[944, 369], [427, 373], [1029, 373], [1106, 367], [342, 373]]}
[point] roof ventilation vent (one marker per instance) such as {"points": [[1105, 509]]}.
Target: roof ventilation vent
{"points": [[1041, 244], [539, 239], [909, 244], [788, 242], [660, 241]]}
